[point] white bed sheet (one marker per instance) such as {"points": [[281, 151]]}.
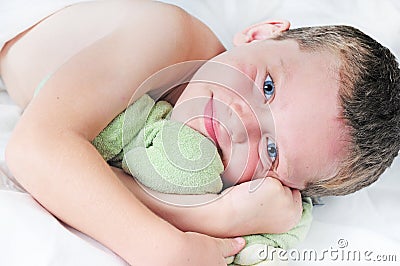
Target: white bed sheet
{"points": [[367, 220]]}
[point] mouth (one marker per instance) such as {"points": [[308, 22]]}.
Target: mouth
{"points": [[209, 121]]}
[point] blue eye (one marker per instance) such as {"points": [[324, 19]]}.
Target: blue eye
{"points": [[269, 88], [272, 150]]}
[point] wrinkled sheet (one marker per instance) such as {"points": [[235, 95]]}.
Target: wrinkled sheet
{"points": [[366, 222]]}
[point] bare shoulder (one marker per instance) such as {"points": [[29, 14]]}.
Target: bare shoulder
{"points": [[124, 33], [189, 37], [202, 42], [97, 54]]}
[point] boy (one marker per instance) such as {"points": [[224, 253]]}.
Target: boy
{"points": [[95, 75]]}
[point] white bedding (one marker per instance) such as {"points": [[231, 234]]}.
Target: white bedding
{"points": [[367, 220]]}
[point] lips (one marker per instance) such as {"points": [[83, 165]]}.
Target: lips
{"points": [[209, 121]]}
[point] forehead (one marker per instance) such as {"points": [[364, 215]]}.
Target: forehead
{"points": [[306, 112]]}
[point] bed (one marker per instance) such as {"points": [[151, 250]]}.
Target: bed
{"points": [[364, 223]]}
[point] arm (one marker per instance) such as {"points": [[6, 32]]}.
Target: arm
{"points": [[50, 152], [272, 208]]}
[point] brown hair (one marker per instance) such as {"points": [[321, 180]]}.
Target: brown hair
{"points": [[369, 96]]}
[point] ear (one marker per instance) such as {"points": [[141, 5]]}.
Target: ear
{"points": [[261, 31]]}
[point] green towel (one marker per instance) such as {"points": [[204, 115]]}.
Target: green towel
{"points": [[170, 157], [163, 155]]}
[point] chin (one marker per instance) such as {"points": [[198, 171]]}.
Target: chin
{"points": [[232, 179]]}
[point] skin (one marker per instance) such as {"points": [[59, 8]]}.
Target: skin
{"points": [[75, 183], [301, 117]]}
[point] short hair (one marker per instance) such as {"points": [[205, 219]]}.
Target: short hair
{"points": [[369, 96]]}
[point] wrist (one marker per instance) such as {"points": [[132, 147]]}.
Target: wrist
{"points": [[239, 212], [231, 216], [212, 218]]}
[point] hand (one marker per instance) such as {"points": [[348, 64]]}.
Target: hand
{"points": [[264, 206], [201, 249]]}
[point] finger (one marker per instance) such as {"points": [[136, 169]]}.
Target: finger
{"points": [[231, 246], [297, 204], [296, 199], [296, 196]]}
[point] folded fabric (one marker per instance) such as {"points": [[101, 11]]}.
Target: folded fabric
{"points": [[170, 157], [161, 154]]}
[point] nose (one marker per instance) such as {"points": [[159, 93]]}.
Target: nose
{"points": [[245, 121], [256, 119], [267, 121]]}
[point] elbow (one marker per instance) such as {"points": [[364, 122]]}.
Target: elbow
{"points": [[12, 153], [18, 157]]}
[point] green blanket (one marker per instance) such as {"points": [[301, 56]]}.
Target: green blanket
{"points": [[170, 157]]}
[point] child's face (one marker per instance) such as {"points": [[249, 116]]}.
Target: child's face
{"points": [[289, 130]]}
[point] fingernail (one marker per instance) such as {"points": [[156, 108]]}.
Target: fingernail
{"points": [[240, 240]]}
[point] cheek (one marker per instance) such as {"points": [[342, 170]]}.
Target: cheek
{"points": [[194, 91], [242, 163], [306, 152], [292, 136], [253, 162]]}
